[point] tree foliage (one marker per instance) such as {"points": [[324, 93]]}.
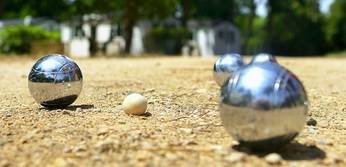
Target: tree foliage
{"points": [[19, 39], [336, 26], [35, 8], [294, 27], [215, 9]]}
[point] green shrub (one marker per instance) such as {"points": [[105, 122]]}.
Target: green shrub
{"points": [[168, 40], [18, 39]]}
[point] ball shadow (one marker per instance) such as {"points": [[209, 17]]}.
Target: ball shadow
{"points": [[83, 106], [291, 151], [71, 107], [297, 151]]}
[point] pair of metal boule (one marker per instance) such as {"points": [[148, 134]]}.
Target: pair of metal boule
{"points": [[227, 64], [262, 105]]}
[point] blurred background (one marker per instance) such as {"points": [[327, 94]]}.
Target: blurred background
{"points": [[86, 28]]}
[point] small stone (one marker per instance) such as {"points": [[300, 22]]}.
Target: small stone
{"points": [[60, 162], [171, 157], [150, 90], [5, 163], [65, 112], [28, 136], [311, 122], [186, 130], [218, 149], [142, 155], [105, 145], [67, 150], [3, 142], [80, 148], [324, 124], [102, 131], [8, 115], [189, 142], [273, 158], [97, 110], [79, 109], [96, 158], [325, 142], [146, 145], [335, 158], [202, 91], [312, 130], [344, 126], [235, 157]]}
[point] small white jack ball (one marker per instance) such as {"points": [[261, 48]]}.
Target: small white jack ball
{"points": [[135, 104]]}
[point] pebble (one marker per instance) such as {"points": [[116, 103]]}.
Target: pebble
{"points": [[325, 142], [3, 142], [80, 148], [28, 136], [105, 145], [67, 150], [60, 162], [79, 109], [171, 157], [189, 142], [235, 157], [312, 130], [102, 131], [218, 149], [344, 126], [186, 130], [335, 158], [273, 158], [142, 155], [324, 124], [311, 122], [96, 158], [146, 145], [4, 163], [8, 115]]}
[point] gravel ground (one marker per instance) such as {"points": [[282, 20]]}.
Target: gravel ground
{"points": [[182, 127]]}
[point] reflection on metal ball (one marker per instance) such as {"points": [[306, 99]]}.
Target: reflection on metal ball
{"points": [[225, 66], [55, 81], [263, 57], [263, 106]]}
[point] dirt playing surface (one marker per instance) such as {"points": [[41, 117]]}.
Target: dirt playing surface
{"points": [[182, 127]]}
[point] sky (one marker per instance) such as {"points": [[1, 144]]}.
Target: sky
{"points": [[262, 11]]}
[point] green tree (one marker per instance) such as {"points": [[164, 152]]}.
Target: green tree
{"points": [[35, 8], [336, 27], [214, 9], [294, 27], [139, 9], [245, 20]]}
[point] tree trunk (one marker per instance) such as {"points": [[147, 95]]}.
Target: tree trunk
{"points": [[2, 4], [269, 25], [92, 39], [249, 28], [130, 18], [186, 12]]}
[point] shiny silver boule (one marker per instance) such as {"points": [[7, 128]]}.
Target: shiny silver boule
{"points": [[263, 57], [55, 81], [263, 106], [225, 65]]}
